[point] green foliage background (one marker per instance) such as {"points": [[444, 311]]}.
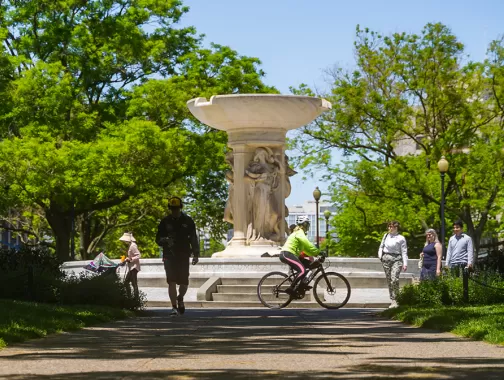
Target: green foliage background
{"points": [[94, 124], [420, 89]]}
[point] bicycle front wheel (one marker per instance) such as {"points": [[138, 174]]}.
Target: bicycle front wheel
{"points": [[271, 290], [331, 290]]}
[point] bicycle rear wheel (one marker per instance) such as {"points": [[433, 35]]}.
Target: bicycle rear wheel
{"points": [[271, 290], [332, 290]]}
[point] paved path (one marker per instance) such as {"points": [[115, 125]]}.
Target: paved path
{"points": [[254, 344]]}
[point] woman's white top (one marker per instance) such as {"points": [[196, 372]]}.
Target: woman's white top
{"points": [[395, 244]]}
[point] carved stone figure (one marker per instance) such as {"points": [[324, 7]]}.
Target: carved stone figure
{"points": [[263, 178], [228, 211], [289, 172]]}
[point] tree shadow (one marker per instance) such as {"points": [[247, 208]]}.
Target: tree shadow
{"points": [[372, 371], [326, 336]]}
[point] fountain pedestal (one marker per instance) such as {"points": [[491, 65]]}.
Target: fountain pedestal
{"points": [[257, 125]]}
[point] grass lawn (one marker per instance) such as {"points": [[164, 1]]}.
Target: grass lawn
{"points": [[476, 322], [20, 321]]}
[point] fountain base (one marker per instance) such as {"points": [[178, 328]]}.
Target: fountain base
{"points": [[248, 251]]}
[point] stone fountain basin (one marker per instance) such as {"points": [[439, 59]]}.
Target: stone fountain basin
{"points": [[244, 111]]}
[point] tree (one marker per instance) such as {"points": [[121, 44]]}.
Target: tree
{"points": [[421, 89], [78, 136], [29, 224], [204, 73]]}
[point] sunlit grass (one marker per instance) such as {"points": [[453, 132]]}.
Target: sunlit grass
{"points": [[20, 321], [476, 322]]}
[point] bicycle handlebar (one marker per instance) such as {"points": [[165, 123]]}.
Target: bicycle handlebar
{"points": [[318, 262]]}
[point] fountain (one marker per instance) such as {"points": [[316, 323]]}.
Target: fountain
{"points": [[257, 125]]}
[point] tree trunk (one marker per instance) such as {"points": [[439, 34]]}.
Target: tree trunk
{"points": [[61, 225], [85, 235], [91, 232], [475, 234]]}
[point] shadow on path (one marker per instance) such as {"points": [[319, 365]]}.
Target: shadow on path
{"points": [[254, 344]]}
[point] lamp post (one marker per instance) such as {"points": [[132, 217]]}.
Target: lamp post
{"points": [[72, 227], [316, 195], [443, 168], [327, 214]]}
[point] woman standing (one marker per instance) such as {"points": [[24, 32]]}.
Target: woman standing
{"points": [[393, 253], [432, 254], [133, 262]]}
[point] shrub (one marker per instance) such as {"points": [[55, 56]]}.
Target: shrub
{"points": [[483, 295], [493, 262], [34, 274], [425, 293], [106, 289], [448, 290], [31, 274]]}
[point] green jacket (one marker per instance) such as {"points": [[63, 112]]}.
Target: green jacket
{"points": [[297, 242]]}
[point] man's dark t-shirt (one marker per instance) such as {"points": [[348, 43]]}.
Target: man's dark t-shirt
{"points": [[182, 239]]}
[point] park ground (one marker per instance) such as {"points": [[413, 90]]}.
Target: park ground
{"points": [[253, 344]]}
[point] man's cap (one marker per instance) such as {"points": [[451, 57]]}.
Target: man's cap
{"points": [[175, 202]]}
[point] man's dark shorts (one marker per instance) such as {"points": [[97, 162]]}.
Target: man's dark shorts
{"points": [[177, 270]]}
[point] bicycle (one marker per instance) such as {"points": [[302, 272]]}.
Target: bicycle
{"points": [[330, 289]]}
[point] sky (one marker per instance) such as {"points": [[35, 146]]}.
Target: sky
{"points": [[296, 40]]}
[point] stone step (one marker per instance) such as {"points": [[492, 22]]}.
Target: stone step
{"points": [[231, 285], [257, 304], [248, 267], [351, 277], [240, 289], [243, 289], [357, 280], [159, 297], [252, 297], [150, 281]]}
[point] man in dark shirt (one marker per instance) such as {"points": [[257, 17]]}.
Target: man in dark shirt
{"points": [[177, 236]]}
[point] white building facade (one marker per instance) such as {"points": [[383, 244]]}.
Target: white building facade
{"points": [[309, 209]]}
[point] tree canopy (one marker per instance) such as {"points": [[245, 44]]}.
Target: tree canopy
{"points": [[93, 116], [411, 99]]}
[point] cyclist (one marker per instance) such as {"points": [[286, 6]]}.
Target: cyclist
{"points": [[297, 243]]}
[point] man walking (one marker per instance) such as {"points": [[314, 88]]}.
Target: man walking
{"points": [[177, 236], [460, 252]]}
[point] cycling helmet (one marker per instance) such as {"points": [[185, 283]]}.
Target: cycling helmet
{"points": [[301, 219]]}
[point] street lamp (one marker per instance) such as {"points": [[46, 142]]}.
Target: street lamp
{"points": [[327, 215], [443, 168], [316, 195], [72, 227]]}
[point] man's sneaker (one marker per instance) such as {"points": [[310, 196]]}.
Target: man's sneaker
{"points": [[393, 304], [174, 312], [180, 305]]}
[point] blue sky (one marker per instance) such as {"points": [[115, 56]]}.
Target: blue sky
{"points": [[297, 39]]}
